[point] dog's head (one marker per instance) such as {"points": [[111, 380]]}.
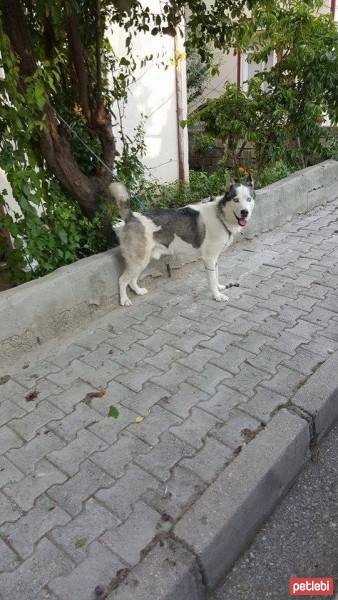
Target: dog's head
{"points": [[237, 204]]}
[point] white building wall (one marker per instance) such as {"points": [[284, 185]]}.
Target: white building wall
{"points": [[153, 96]]}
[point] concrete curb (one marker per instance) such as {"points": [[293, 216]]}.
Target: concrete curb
{"points": [[213, 533], [34, 313]]}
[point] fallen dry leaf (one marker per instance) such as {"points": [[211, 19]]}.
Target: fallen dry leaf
{"points": [[32, 395], [139, 419]]}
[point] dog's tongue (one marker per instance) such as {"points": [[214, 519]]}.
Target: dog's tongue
{"points": [[242, 221]]}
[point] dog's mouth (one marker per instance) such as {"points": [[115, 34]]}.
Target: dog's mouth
{"points": [[242, 221]]}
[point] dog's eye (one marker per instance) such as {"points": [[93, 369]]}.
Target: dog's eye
{"points": [[236, 199]]}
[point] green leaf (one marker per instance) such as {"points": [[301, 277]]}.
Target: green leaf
{"points": [[80, 543], [113, 412]]}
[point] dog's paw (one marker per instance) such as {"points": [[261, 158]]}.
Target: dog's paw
{"points": [[221, 286], [126, 302], [221, 298], [141, 291]]}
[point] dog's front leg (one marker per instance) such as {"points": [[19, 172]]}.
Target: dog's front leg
{"points": [[212, 273], [219, 285]]}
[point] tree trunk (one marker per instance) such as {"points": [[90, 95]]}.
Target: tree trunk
{"points": [[53, 142]]}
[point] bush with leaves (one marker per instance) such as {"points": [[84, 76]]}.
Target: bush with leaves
{"points": [[282, 110]]}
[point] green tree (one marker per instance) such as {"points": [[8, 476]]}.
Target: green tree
{"points": [[283, 108], [59, 78]]}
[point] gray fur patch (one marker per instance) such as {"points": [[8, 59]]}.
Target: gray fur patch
{"points": [[185, 222], [133, 240]]}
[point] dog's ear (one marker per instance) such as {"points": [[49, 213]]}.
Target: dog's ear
{"points": [[250, 181], [228, 184]]}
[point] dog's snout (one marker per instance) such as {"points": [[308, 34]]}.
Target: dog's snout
{"points": [[244, 212]]}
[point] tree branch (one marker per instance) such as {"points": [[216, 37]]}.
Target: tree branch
{"points": [[77, 58], [14, 25]]}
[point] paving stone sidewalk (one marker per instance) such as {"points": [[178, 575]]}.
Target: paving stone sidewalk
{"points": [[84, 494]]}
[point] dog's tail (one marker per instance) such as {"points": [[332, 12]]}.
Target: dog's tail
{"points": [[120, 195]]}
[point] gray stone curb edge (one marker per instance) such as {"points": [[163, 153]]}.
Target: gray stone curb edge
{"points": [[37, 312], [203, 545]]}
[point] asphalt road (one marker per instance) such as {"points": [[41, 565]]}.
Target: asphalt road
{"points": [[299, 540]]}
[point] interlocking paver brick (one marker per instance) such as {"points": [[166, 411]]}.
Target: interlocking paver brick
{"points": [[8, 440], [109, 428], [189, 341], [321, 345], [193, 430], [165, 357], [247, 379], [178, 493], [135, 354], [253, 341], [138, 376], [304, 329], [178, 325], [76, 536], [64, 358], [102, 357], [158, 421], [263, 404], [290, 314], [30, 376], [72, 396], [220, 342], [240, 327], [331, 331], [304, 361], [286, 381], [8, 472], [71, 494], [35, 572], [8, 558], [24, 533], [100, 567], [169, 451], [93, 338], [181, 402], [287, 342], [319, 316], [9, 411], [9, 510], [198, 358], [209, 461], [237, 430], [271, 327], [172, 378], [29, 425], [268, 359], [80, 418], [115, 459], [130, 538], [27, 490], [27, 456], [142, 402], [221, 403], [127, 338], [159, 339], [121, 497], [232, 359], [69, 458], [209, 378]]}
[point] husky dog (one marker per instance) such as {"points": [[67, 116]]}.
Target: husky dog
{"points": [[206, 227]]}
